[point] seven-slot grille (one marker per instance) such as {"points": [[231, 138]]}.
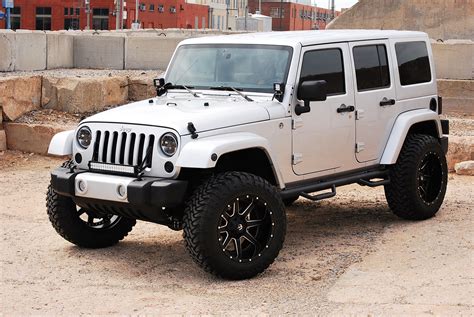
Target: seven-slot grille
{"points": [[123, 148]]}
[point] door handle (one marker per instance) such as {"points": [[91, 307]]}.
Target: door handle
{"points": [[387, 102], [344, 108]]}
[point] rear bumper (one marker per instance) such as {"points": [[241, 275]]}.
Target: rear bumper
{"points": [[148, 191]]}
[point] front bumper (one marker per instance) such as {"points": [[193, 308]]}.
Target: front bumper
{"points": [[144, 198]]}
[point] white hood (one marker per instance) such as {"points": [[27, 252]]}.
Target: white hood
{"points": [[176, 110]]}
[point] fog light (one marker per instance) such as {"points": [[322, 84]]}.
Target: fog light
{"points": [[82, 186], [122, 191], [78, 158], [169, 167]]}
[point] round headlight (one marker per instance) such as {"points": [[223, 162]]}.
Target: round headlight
{"points": [[169, 144], [84, 137]]}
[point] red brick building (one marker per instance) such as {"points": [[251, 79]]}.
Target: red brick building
{"points": [[71, 14], [294, 16]]}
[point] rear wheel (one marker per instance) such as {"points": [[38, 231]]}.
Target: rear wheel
{"points": [[82, 227], [234, 225], [418, 179]]}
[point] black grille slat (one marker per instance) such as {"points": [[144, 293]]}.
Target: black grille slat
{"points": [[95, 155], [106, 145], [141, 145], [122, 148], [125, 148], [150, 149], [114, 147], [132, 147]]}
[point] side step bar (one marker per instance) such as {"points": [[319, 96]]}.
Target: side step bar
{"points": [[363, 179], [320, 196]]}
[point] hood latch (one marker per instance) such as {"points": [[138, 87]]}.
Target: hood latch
{"points": [[192, 130]]}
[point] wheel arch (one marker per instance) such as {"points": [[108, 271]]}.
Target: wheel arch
{"points": [[422, 121], [61, 143], [245, 152]]}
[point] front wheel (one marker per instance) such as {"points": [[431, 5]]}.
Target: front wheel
{"points": [[234, 225], [419, 178], [85, 228]]}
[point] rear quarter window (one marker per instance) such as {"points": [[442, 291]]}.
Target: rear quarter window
{"points": [[413, 63]]}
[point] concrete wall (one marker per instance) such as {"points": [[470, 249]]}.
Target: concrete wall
{"points": [[30, 50], [7, 51], [454, 59], [144, 49], [99, 51], [60, 52], [149, 52], [441, 19], [152, 49]]}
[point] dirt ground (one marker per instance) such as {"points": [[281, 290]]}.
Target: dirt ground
{"points": [[346, 255]]}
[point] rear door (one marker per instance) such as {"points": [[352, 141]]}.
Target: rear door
{"points": [[375, 97]]}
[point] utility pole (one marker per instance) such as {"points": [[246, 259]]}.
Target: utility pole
{"points": [[117, 14], [8, 5], [333, 9], [122, 8], [88, 14], [227, 14], [9, 20], [281, 15]]}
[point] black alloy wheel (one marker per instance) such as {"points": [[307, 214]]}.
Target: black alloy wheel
{"points": [[97, 221], [419, 179], [430, 175], [246, 228], [234, 225]]}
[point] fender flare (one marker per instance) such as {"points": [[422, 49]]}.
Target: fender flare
{"points": [[400, 129], [198, 153], [61, 143]]}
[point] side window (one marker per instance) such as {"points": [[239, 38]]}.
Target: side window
{"points": [[413, 63], [371, 67], [325, 65]]}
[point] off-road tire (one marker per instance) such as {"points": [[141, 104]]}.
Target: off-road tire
{"points": [[204, 211], [404, 193], [289, 201], [64, 217]]}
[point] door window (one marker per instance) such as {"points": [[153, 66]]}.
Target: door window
{"points": [[371, 67], [413, 63], [325, 65]]}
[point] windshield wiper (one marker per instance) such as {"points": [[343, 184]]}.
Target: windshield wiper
{"points": [[171, 86], [229, 88]]}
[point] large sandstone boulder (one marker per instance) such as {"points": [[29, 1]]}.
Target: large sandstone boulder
{"points": [[19, 95], [79, 95], [31, 137], [465, 168], [141, 87], [461, 148], [3, 140]]}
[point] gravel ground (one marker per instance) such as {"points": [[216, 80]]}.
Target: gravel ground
{"points": [[328, 245], [78, 72]]}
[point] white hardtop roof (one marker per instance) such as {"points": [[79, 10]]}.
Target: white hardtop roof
{"points": [[293, 38]]}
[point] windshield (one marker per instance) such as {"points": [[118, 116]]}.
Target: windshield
{"points": [[244, 67]]}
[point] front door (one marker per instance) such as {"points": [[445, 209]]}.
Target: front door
{"points": [[324, 138], [375, 98]]}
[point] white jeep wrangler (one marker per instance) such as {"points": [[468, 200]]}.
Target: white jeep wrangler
{"points": [[243, 125]]}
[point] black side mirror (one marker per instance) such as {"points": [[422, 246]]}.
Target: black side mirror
{"points": [[310, 90]]}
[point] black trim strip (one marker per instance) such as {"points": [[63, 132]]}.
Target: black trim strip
{"points": [[342, 180]]}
